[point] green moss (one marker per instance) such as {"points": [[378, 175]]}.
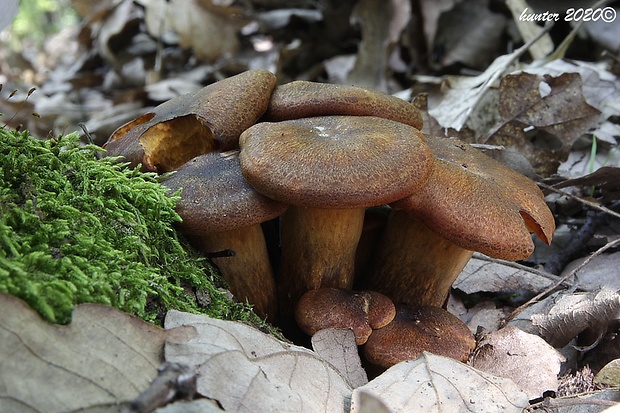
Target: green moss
{"points": [[75, 228]]}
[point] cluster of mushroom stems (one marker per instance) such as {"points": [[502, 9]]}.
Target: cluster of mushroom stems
{"points": [[373, 219]]}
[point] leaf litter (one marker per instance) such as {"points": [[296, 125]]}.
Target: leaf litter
{"points": [[476, 102]]}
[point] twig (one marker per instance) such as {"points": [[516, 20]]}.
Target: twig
{"points": [[549, 402], [582, 200], [559, 260], [561, 280], [513, 264], [175, 381]]}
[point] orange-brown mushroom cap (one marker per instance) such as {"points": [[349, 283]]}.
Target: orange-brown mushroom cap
{"points": [[195, 123], [302, 99], [216, 197], [479, 204], [415, 330], [335, 161], [361, 311]]}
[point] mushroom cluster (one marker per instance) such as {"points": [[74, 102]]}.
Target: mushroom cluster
{"points": [[316, 162]]}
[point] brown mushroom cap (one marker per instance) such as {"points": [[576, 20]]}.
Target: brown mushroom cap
{"points": [[187, 126], [361, 311], [415, 330], [480, 204], [216, 197], [335, 161], [303, 99]]}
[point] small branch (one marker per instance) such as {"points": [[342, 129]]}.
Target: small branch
{"points": [[175, 381], [513, 264], [549, 402], [561, 280], [593, 221], [581, 200]]}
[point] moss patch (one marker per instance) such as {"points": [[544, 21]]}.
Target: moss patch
{"points": [[75, 228]]}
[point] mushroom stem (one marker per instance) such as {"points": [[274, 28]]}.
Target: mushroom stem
{"points": [[318, 250], [413, 265], [248, 273]]}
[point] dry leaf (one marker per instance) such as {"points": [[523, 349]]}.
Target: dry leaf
{"points": [[209, 30], [337, 346], [485, 316], [246, 370], [439, 384], [382, 24], [462, 94], [561, 317], [529, 30], [525, 358], [120, 23], [609, 375], [102, 358], [193, 406], [606, 179], [481, 275], [368, 403], [600, 272], [468, 34], [601, 88], [572, 314], [431, 12], [542, 117]]}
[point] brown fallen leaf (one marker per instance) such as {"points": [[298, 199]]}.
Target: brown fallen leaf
{"points": [[433, 383], [606, 179], [104, 357], [246, 370], [525, 358], [542, 116]]}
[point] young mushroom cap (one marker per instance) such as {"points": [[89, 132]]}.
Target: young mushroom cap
{"points": [[222, 212], [361, 311], [415, 330], [303, 99], [195, 123]]}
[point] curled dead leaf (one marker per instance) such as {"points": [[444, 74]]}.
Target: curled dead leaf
{"points": [[433, 383], [246, 370], [525, 358]]}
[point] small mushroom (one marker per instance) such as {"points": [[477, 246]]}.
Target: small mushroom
{"points": [[416, 329], [470, 203], [220, 211], [361, 311], [329, 169], [195, 123], [304, 99]]}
